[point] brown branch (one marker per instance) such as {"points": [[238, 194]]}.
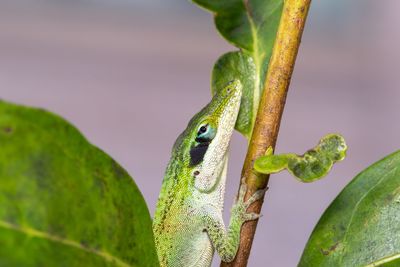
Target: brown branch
{"points": [[270, 111]]}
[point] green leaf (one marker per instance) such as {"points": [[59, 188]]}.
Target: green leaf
{"points": [[64, 202], [313, 165], [251, 26], [362, 225], [231, 66]]}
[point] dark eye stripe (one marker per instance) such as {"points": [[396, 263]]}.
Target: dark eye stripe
{"points": [[197, 153], [203, 140]]}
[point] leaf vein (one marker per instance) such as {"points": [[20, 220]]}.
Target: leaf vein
{"points": [[356, 208], [67, 242], [384, 260]]}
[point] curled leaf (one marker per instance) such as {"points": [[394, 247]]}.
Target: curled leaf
{"points": [[311, 166], [237, 66]]}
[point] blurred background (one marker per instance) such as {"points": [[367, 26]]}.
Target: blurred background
{"points": [[131, 73]]}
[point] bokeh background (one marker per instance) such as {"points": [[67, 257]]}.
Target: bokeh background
{"points": [[131, 73]]}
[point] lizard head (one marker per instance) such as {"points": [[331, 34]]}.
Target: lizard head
{"points": [[203, 146]]}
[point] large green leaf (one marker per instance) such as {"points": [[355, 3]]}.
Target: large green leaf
{"points": [[250, 25], [362, 225], [64, 202]]}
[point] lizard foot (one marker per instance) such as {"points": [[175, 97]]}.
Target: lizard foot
{"points": [[241, 206]]}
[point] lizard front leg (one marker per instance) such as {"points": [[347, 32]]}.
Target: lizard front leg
{"points": [[226, 242]]}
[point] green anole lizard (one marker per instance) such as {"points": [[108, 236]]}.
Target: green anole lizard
{"points": [[188, 224]]}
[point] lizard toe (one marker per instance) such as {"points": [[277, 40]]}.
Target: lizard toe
{"points": [[259, 194], [252, 216], [242, 190]]}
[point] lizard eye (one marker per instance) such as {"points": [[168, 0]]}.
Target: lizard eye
{"points": [[205, 134], [203, 129]]}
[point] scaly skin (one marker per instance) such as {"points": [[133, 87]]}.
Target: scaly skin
{"points": [[188, 224]]}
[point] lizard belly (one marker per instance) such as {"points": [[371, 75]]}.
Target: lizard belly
{"points": [[196, 250], [185, 246]]}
